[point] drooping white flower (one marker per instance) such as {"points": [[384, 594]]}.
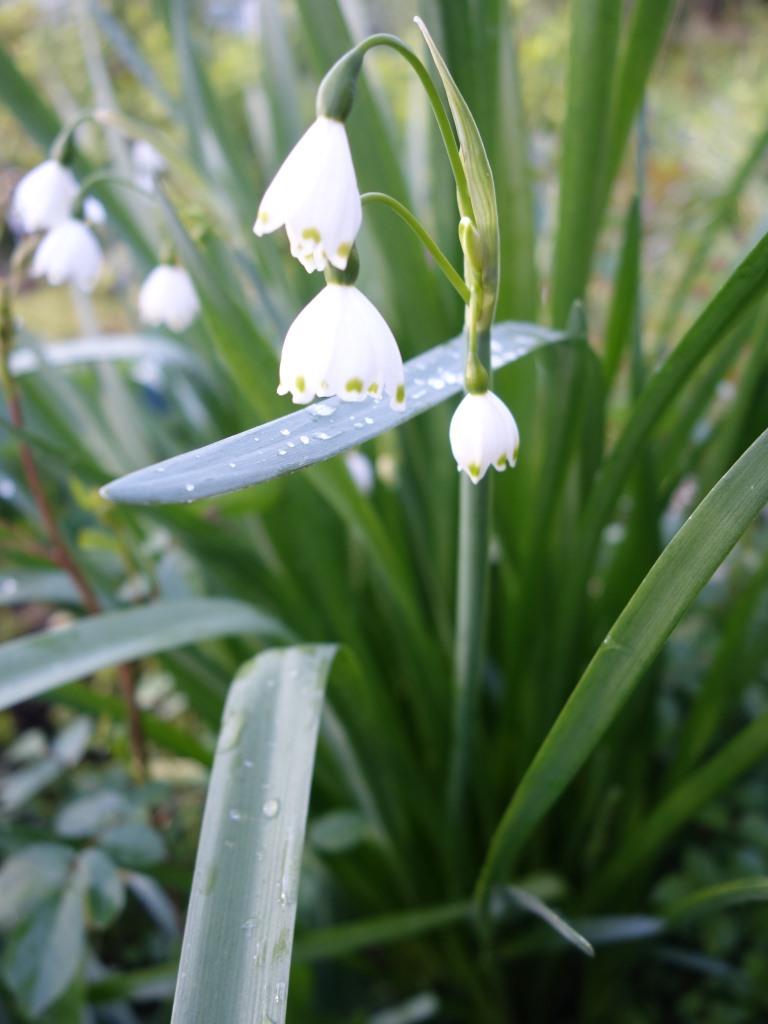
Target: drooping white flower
{"points": [[361, 469], [168, 298], [315, 195], [341, 345], [44, 196], [483, 433], [147, 162], [94, 211], [70, 252]]}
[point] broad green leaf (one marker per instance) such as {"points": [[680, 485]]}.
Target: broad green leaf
{"points": [[594, 38], [319, 431], [86, 815], [34, 664], [133, 844], [237, 942], [355, 936], [30, 877], [24, 99], [104, 889], [629, 649], [42, 958]]}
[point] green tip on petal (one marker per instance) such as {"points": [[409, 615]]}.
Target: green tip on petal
{"points": [[400, 394], [474, 470], [311, 235], [301, 384], [354, 384], [373, 389], [502, 463]]}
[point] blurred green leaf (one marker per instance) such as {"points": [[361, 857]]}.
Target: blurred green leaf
{"points": [[35, 664]]}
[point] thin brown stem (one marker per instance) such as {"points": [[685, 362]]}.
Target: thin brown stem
{"points": [[58, 549]]}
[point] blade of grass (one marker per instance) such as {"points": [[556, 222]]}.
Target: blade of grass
{"points": [[594, 40]]}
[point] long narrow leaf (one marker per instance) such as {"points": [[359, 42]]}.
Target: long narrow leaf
{"points": [[318, 432], [629, 648], [32, 665], [237, 943]]}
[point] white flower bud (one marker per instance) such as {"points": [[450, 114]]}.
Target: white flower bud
{"points": [[483, 433], [315, 195], [148, 164], [168, 298], [70, 252], [44, 196], [341, 345]]}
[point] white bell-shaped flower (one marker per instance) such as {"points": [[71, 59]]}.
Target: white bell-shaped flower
{"points": [[483, 433], [44, 196], [315, 195], [148, 164], [168, 298], [341, 345], [361, 469], [94, 211], [70, 252]]}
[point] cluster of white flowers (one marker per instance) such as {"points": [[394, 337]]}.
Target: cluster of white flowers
{"points": [[69, 251], [340, 344]]}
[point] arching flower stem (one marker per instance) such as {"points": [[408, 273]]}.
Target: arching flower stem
{"points": [[453, 276]]}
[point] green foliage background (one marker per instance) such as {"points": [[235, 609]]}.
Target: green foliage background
{"points": [[657, 853]]}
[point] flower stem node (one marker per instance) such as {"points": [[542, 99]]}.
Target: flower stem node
{"points": [[168, 298], [336, 92], [43, 198], [483, 433], [315, 196], [69, 253], [341, 345]]}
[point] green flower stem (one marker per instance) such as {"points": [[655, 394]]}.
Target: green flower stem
{"points": [[443, 121], [471, 600], [62, 144], [369, 198], [98, 177]]}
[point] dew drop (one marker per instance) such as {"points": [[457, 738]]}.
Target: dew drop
{"points": [[282, 451], [233, 465], [291, 444], [270, 808], [234, 814], [322, 409], [159, 469], [369, 420], [285, 432], [322, 436], [304, 439], [436, 383], [189, 487]]}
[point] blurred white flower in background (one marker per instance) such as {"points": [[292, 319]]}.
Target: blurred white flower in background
{"points": [[94, 211], [70, 252], [43, 197], [315, 195], [483, 433], [361, 469], [168, 298], [148, 164], [341, 345]]}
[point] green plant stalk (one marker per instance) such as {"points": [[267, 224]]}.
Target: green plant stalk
{"points": [[453, 276], [441, 116], [469, 634]]}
